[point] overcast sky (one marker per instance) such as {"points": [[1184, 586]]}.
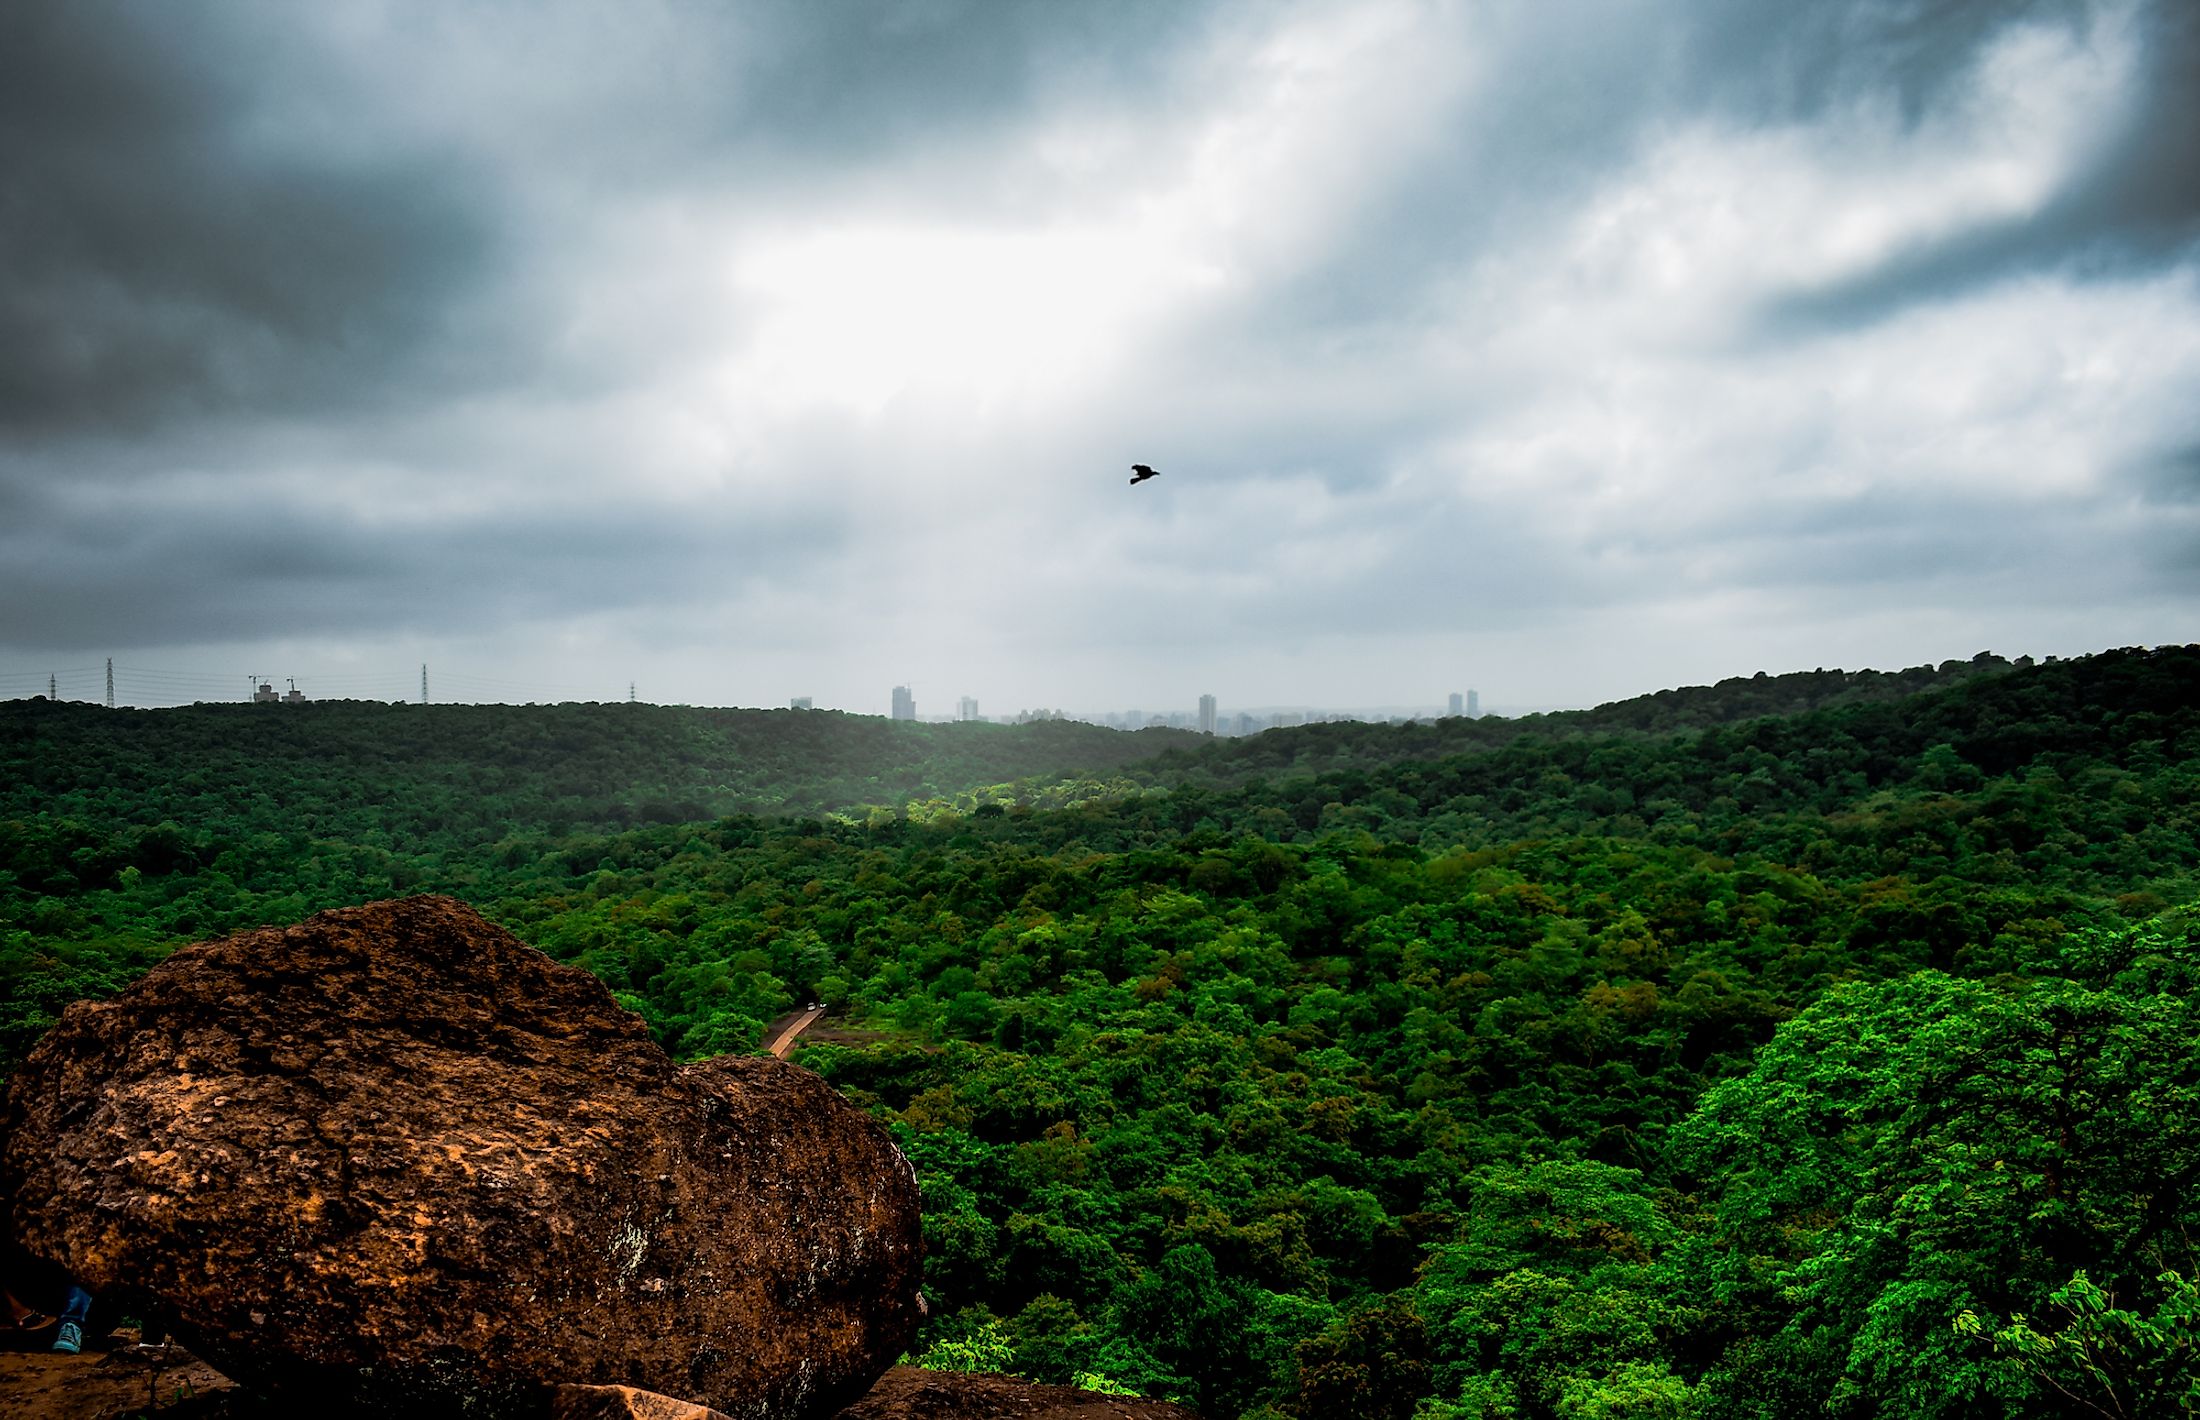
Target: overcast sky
{"points": [[1565, 351]]}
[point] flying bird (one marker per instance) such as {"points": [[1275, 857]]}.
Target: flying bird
{"points": [[1140, 473]]}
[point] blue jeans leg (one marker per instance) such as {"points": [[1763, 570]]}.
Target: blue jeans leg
{"points": [[73, 1317]]}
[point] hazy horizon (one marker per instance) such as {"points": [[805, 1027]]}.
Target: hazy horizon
{"points": [[151, 688], [1564, 352]]}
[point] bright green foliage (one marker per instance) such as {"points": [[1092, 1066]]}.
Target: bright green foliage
{"points": [[1099, 1384], [1914, 1150], [1632, 1390], [1653, 1062], [983, 1348], [2104, 1359], [1561, 1277]]}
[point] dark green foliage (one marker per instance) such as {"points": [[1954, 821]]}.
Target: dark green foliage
{"points": [[1376, 1365], [1916, 1149], [466, 775], [1657, 1064], [1349, 745]]}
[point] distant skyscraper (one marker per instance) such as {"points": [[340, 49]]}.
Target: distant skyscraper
{"points": [[967, 708], [905, 704], [1206, 714], [1458, 706], [800, 702], [1474, 703]]}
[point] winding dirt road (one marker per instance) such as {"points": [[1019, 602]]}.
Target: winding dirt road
{"points": [[781, 1037]]}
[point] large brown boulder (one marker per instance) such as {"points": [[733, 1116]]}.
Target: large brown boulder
{"points": [[393, 1157]]}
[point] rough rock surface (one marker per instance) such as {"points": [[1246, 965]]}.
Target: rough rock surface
{"points": [[172, 1384], [393, 1157], [43, 1386], [906, 1393], [622, 1402]]}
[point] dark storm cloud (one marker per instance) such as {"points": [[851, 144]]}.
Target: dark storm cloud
{"points": [[2173, 481], [169, 250], [172, 253], [2134, 208], [220, 209], [2168, 488], [1577, 94], [1794, 63], [1582, 98], [859, 80], [350, 319], [233, 572]]}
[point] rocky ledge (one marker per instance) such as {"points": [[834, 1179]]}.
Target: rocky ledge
{"points": [[173, 1385], [394, 1160]]}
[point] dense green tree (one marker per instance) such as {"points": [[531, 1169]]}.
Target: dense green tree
{"points": [[1913, 1151], [1373, 1367]]}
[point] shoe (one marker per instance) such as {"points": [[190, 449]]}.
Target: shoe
{"points": [[35, 1321], [71, 1339]]}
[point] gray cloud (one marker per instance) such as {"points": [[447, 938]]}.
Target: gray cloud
{"points": [[852, 82], [1769, 64], [2173, 481], [170, 249], [230, 573], [2135, 208], [827, 331], [1573, 95]]}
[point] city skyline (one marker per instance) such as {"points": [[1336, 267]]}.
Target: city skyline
{"points": [[1208, 713]]}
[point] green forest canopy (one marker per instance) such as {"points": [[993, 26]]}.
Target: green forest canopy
{"points": [[1815, 1044]]}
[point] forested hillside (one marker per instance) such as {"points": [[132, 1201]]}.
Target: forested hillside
{"points": [[1346, 744], [1836, 1061], [445, 777]]}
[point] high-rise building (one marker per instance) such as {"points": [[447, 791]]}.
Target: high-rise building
{"points": [[967, 708], [905, 704], [1474, 704], [800, 702], [1206, 714], [1458, 706]]}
